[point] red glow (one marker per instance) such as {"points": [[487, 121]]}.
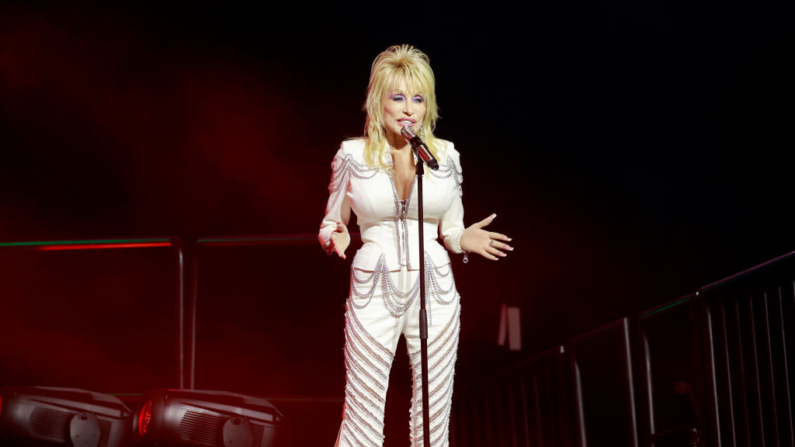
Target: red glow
{"points": [[144, 418], [1, 404], [103, 246], [274, 239]]}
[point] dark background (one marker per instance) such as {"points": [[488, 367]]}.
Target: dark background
{"points": [[634, 150]]}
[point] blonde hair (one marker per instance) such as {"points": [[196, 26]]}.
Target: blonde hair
{"points": [[397, 63]]}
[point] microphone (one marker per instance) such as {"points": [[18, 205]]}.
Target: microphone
{"points": [[426, 156]]}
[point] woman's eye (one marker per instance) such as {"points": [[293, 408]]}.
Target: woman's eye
{"points": [[397, 98], [418, 99]]}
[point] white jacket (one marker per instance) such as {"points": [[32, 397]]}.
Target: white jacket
{"points": [[387, 229]]}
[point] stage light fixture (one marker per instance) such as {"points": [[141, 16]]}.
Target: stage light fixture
{"points": [[42, 416], [144, 417], [206, 418]]}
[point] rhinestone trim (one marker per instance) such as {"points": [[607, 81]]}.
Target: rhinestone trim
{"points": [[341, 173], [450, 170], [401, 224], [363, 288], [457, 243], [351, 363], [356, 429], [366, 399], [455, 321], [354, 378], [443, 357], [366, 361], [351, 397], [369, 337], [355, 335]]}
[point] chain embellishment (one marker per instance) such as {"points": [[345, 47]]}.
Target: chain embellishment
{"points": [[349, 166], [450, 170], [364, 287]]}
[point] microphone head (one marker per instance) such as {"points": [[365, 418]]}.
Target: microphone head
{"points": [[408, 133]]}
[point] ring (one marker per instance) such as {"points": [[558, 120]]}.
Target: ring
{"points": [[491, 243]]}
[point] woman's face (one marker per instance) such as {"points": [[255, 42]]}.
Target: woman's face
{"points": [[403, 107]]}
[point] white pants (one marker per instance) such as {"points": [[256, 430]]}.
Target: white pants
{"points": [[374, 323]]}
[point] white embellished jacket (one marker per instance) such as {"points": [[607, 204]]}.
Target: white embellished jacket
{"points": [[388, 227]]}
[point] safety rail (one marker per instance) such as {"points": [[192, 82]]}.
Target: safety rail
{"points": [[266, 372], [230, 241], [711, 368], [708, 369], [115, 244]]}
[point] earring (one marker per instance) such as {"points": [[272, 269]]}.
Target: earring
{"points": [[422, 133]]}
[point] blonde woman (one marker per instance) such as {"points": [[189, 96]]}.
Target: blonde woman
{"points": [[375, 177]]}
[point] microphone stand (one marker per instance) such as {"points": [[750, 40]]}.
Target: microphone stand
{"points": [[426, 429]]}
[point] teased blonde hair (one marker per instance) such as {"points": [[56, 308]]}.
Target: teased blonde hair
{"points": [[397, 63]]}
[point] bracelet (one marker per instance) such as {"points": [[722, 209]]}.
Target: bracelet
{"points": [[457, 247]]}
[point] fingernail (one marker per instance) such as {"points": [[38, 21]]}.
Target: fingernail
{"points": [[510, 239]]}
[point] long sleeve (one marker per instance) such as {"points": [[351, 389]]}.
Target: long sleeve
{"points": [[338, 208], [451, 226]]}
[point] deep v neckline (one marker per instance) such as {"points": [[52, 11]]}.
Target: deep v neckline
{"points": [[393, 176], [411, 188], [393, 180], [402, 205]]}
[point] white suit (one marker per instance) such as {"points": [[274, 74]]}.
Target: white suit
{"points": [[384, 294]]}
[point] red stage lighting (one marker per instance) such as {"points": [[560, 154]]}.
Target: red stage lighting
{"points": [[144, 417]]}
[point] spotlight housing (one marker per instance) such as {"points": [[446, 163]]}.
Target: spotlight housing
{"points": [[207, 419], [62, 416]]}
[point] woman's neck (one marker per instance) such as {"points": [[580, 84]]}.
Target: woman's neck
{"points": [[397, 144]]}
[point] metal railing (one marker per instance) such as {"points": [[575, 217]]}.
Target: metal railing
{"points": [[107, 244], [192, 275], [709, 369]]}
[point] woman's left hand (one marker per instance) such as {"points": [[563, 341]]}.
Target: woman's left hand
{"points": [[485, 243]]}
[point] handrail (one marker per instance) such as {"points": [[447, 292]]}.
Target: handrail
{"points": [[104, 244], [747, 272], [270, 239], [233, 241], [90, 244], [716, 335], [665, 306]]}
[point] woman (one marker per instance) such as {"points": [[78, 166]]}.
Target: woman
{"points": [[375, 176]]}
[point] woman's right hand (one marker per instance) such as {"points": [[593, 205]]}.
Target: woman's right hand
{"points": [[339, 241]]}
